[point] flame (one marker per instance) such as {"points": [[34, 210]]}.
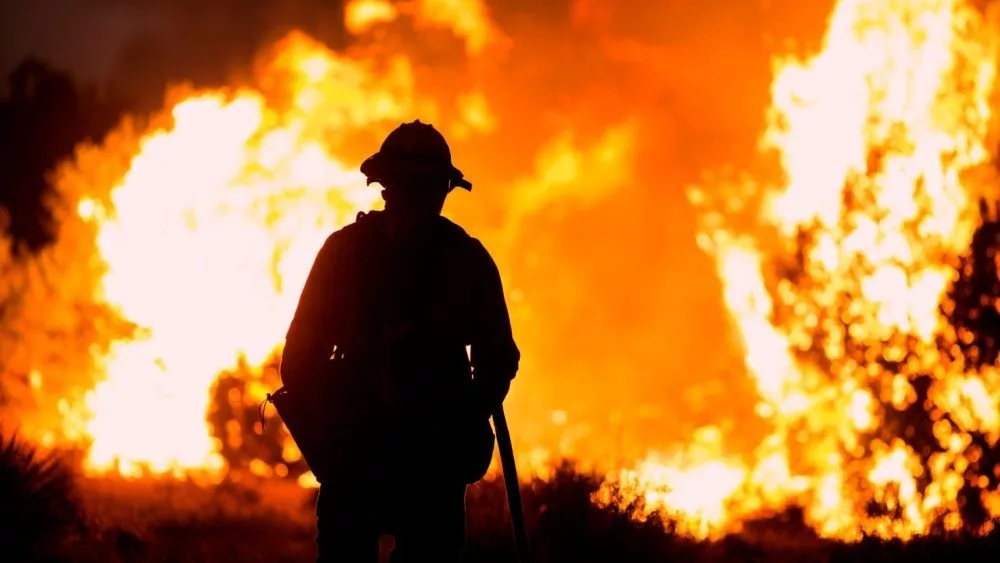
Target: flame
{"points": [[875, 135], [835, 273], [207, 239], [691, 486], [467, 19], [205, 223], [361, 16]]}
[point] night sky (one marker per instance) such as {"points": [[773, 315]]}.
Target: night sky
{"points": [[136, 45]]}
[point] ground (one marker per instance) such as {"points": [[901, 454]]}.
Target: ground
{"points": [[259, 520]]}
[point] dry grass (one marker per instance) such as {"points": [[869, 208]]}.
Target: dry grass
{"points": [[250, 520], [39, 507]]}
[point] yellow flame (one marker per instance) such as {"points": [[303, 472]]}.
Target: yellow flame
{"points": [[207, 240], [873, 134], [361, 15], [469, 20], [692, 486]]}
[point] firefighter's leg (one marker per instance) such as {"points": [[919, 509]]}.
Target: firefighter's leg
{"points": [[345, 532], [432, 526]]}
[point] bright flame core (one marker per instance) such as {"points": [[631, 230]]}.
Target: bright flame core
{"points": [[207, 239], [200, 256], [835, 289]]}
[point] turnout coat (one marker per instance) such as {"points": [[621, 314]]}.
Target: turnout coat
{"points": [[398, 351]]}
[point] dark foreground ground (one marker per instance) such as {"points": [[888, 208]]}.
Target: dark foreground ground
{"points": [[250, 520], [272, 522]]}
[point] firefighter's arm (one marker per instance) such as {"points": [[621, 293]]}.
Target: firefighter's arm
{"points": [[494, 354], [309, 342]]}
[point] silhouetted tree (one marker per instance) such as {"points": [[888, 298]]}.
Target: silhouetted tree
{"points": [[976, 296], [44, 116]]}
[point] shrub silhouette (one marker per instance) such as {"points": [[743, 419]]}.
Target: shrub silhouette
{"points": [[38, 503]]}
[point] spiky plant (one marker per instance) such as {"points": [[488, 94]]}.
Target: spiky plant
{"points": [[38, 504]]}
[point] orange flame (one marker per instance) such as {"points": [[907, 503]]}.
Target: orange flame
{"points": [[874, 134], [207, 240]]}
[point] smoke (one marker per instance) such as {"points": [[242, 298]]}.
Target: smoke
{"points": [[136, 47], [56, 29], [140, 45]]}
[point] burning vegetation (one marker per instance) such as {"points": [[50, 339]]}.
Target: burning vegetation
{"points": [[848, 289], [856, 270]]}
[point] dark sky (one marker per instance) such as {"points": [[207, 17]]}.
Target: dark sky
{"points": [[148, 41], [83, 35], [97, 39]]}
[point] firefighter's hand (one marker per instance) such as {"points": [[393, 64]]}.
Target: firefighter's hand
{"points": [[488, 396]]}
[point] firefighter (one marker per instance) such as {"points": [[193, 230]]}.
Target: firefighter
{"points": [[402, 334]]}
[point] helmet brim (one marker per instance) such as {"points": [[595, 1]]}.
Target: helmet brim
{"points": [[377, 166]]}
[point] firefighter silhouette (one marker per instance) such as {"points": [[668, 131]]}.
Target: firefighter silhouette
{"points": [[401, 348]]}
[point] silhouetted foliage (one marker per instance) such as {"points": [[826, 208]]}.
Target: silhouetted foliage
{"points": [[970, 306], [976, 291], [44, 116], [38, 503], [975, 297], [240, 521], [235, 420]]}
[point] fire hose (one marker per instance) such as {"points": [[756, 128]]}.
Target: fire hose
{"points": [[512, 485]]}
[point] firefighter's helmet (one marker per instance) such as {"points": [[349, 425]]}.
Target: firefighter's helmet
{"points": [[416, 149]]}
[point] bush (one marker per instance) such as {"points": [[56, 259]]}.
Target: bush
{"points": [[39, 506]]}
